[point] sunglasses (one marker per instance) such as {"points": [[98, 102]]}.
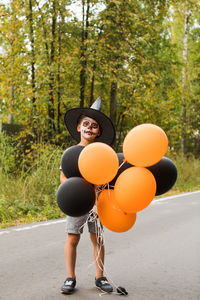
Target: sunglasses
{"points": [[93, 125]]}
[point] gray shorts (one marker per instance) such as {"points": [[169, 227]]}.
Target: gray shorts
{"points": [[75, 225]]}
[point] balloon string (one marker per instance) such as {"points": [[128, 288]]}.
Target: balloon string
{"points": [[122, 164], [100, 188], [99, 261], [93, 217]]}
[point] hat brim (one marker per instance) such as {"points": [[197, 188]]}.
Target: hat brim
{"points": [[107, 128]]}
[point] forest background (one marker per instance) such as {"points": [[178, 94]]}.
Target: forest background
{"points": [[141, 56]]}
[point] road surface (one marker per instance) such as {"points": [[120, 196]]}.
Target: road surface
{"points": [[159, 258]]}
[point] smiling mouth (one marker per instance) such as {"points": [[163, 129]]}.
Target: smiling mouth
{"points": [[89, 132]]}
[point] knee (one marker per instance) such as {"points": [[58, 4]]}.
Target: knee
{"points": [[73, 240]]}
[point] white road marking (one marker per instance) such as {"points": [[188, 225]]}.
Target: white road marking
{"points": [[33, 226], [174, 196], [48, 223], [4, 232]]}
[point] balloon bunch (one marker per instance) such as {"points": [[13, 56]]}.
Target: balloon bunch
{"points": [[126, 182]]}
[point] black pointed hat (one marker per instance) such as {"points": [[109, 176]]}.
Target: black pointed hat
{"points": [[73, 115]]}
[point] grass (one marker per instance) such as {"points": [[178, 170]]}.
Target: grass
{"points": [[188, 174], [29, 195]]}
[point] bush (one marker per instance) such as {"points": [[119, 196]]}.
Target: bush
{"points": [[188, 173], [7, 154], [29, 195]]}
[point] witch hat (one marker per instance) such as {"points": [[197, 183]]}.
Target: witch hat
{"points": [[107, 129]]}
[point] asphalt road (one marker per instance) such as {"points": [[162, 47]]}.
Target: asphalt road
{"points": [[159, 258]]}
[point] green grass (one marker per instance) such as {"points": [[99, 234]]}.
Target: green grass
{"points": [[188, 174], [29, 194]]}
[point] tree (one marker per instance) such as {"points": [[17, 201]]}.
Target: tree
{"points": [[140, 56], [13, 75], [185, 18]]}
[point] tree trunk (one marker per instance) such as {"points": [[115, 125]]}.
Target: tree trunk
{"points": [[58, 79], [45, 34], [92, 83], [184, 80], [120, 132], [30, 18], [51, 74], [113, 102], [83, 59], [33, 117]]}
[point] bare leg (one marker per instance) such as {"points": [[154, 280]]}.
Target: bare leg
{"points": [[70, 253], [98, 251]]}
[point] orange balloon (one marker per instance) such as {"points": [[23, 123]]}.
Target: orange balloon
{"points": [[145, 145], [110, 215], [134, 189], [98, 163]]}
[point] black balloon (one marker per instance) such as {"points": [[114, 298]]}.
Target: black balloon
{"points": [[75, 197], [165, 173], [69, 161], [123, 167]]}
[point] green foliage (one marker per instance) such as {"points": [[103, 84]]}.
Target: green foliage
{"points": [[188, 173], [31, 195], [138, 44], [7, 154]]}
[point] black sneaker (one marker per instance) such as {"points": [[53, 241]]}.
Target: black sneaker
{"points": [[68, 286], [103, 285]]}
